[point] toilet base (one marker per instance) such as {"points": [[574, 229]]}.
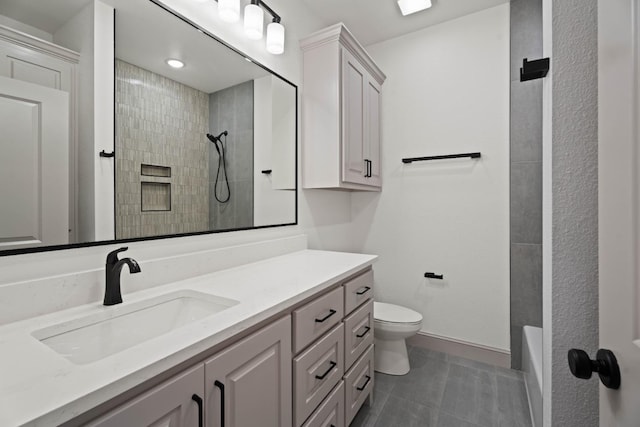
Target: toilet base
{"points": [[391, 357]]}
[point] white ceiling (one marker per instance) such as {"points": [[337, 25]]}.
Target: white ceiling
{"points": [[372, 21], [47, 15]]}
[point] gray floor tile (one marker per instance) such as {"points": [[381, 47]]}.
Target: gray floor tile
{"points": [[510, 373], [472, 364], [418, 356], [470, 394], [424, 385], [448, 420], [512, 403], [384, 383], [399, 412]]}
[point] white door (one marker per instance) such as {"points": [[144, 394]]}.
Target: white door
{"points": [[34, 165], [619, 205]]}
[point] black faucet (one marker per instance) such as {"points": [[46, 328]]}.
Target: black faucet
{"points": [[113, 269]]}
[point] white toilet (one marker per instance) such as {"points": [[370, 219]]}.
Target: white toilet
{"points": [[392, 324]]}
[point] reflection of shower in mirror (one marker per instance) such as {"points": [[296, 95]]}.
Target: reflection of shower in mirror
{"points": [[222, 165]]}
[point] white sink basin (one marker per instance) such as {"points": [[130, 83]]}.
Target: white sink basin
{"points": [[115, 329]]}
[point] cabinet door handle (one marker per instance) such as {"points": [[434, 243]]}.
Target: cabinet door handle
{"points": [[331, 313], [370, 168], [332, 365], [366, 330], [198, 400], [363, 290], [365, 384], [221, 387]]}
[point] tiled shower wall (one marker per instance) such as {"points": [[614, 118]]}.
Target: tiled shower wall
{"points": [[231, 109], [160, 122], [526, 175]]}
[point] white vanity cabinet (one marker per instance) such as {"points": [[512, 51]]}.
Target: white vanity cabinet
{"points": [[341, 113], [171, 404], [249, 383]]}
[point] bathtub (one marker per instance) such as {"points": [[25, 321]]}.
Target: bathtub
{"points": [[532, 367]]}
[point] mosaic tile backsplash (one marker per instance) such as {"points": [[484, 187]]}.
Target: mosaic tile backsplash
{"points": [[160, 122]]}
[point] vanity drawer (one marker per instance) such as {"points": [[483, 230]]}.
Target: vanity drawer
{"points": [[358, 333], [331, 412], [314, 319], [358, 290], [316, 372], [358, 384]]}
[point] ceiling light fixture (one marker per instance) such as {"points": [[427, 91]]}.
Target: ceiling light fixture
{"points": [[407, 7], [229, 10], [175, 63]]}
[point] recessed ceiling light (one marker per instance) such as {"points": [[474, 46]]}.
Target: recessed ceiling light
{"points": [[175, 63], [407, 7]]}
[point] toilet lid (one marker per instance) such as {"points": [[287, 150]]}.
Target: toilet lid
{"points": [[392, 313]]}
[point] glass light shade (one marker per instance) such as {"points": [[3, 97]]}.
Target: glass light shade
{"points": [[407, 7], [275, 38], [229, 10], [253, 21]]}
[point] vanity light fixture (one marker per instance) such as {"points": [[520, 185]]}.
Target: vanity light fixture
{"points": [[253, 20], [175, 63], [275, 38], [229, 10], [407, 7]]}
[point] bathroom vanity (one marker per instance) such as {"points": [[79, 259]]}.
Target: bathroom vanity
{"points": [[290, 344]]}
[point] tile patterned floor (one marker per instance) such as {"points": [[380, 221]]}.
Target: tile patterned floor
{"points": [[447, 391]]}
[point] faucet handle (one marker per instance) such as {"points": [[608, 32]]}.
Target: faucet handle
{"points": [[112, 257]]}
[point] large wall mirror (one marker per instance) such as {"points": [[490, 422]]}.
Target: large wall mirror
{"points": [[170, 133]]}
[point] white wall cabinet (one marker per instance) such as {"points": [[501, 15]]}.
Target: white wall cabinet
{"points": [[341, 113]]}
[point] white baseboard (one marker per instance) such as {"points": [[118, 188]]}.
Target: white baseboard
{"points": [[468, 350]]}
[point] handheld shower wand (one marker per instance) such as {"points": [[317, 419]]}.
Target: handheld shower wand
{"points": [[222, 165]]}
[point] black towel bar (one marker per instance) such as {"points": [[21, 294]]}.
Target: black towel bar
{"points": [[476, 155]]}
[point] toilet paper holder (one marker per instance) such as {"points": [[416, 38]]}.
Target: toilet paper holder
{"points": [[434, 276]]}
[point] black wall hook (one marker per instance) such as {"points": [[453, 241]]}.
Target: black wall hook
{"points": [[532, 70], [105, 154]]}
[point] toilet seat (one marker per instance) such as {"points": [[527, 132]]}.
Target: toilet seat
{"points": [[391, 313]]}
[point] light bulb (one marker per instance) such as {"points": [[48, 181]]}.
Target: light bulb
{"points": [[407, 7], [229, 10], [253, 21], [175, 63], [275, 38]]}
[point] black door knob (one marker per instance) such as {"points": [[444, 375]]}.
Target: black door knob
{"points": [[605, 365]]}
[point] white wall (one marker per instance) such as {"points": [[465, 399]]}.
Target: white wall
{"points": [[90, 33], [273, 150], [447, 91]]}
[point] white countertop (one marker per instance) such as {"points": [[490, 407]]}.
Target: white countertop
{"points": [[39, 387]]}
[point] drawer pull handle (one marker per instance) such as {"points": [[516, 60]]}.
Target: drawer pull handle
{"points": [[332, 365], [365, 384], [331, 313], [221, 387], [198, 400], [363, 291], [364, 332]]}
